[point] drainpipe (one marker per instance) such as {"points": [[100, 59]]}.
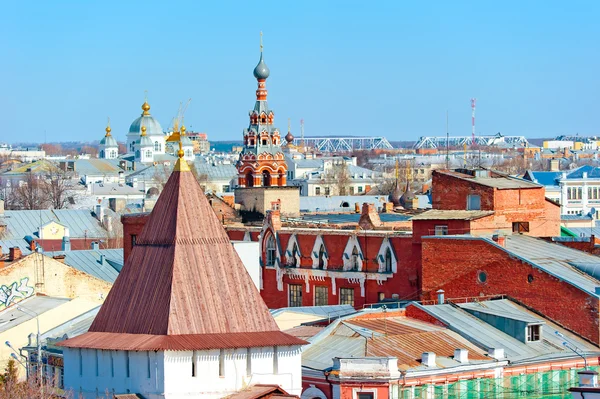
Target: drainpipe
{"points": [[330, 384]]}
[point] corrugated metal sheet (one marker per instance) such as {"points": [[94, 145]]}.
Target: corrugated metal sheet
{"points": [[11, 316], [408, 348], [332, 311], [383, 326], [260, 391], [6, 245], [337, 202], [73, 327], [149, 342], [304, 332]]}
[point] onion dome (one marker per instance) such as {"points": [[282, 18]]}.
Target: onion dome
{"points": [[407, 197], [108, 140], [289, 137], [144, 139], [146, 120], [394, 197], [262, 70]]}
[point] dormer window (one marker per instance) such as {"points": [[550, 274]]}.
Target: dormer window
{"points": [[264, 142], [354, 259], [263, 119], [294, 262], [533, 332]]}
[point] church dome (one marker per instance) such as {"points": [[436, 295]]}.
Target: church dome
{"points": [[289, 137], [394, 197], [144, 139], [108, 140], [153, 128], [262, 70]]}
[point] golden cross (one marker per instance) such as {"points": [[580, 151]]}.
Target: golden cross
{"points": [[261, 45]]}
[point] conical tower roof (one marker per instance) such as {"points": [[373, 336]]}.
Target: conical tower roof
{"points": [[183, 286]]}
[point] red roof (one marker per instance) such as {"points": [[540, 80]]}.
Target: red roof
{"points": [[183, 277]]}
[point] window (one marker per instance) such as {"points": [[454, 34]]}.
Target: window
{"points": [[351, 190], [127, 370], [112, 364], [156, 146], [347, 296], [222, 363], [589, 195], [354, 259], [569, 195], [579, 192], [275, 361], [317, 190], [482, 277], [271, 254], [294, 260], [248, 361], [520, 227], [321, 296], [148, 364], [321, 256], [295, 294], [441, 230], [194, 355], [381, 296], [360, 189], [133, 240], [96, 362], [473, 202], [364, 395], [533, 333], [148, 154], [388, 261], [80, 362], [327, 191], [264, 142]]}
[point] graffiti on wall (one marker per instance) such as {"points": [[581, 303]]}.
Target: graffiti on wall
{"points": [[17, 290]]}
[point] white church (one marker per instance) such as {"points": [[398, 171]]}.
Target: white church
{"points": [[147, 142]]}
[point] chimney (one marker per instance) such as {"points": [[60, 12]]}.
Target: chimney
{"points": [[274, 219], [496, 353], [14, 253], [356, 207], [102, 259], [428, 359], [461, 355], [32, 246], [554, 165], [95, 245], [99, 212], [440, 296], [60, 258], [66, 242], [369, 218]]}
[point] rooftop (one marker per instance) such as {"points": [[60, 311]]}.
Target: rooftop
{"points": [[438, 214], [37, 304], [491, 179], [81, 223]]}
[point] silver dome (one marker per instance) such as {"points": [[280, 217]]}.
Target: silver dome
{"points": [[153, 128], [262, 70]]}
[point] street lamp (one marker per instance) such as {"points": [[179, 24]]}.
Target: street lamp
{"points": [[14, 356], [38, 341], [574, 349]]}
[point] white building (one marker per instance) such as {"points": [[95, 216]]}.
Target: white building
{"points": [[183, 319], [108, 148]]}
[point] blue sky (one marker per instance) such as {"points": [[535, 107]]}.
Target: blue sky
{"points": [[346, 67]]}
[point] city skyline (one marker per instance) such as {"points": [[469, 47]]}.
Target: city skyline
{"points": [[346, 69]]}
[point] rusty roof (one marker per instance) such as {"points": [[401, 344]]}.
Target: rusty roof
{"points": [[149, 342], [261, 391], [183, 277], [441, 214]]}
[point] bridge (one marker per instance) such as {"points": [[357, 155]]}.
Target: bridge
{"points": [[459, 141], [344, 144]]}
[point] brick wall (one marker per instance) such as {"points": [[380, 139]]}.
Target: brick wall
{"points": [[259, 199], [132, 227], [454, 266], [449, 192]]}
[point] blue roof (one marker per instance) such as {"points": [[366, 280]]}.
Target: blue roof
{"points": [[81, 222], [338, 203], [592, 172], [545, 178], [89, 261]]}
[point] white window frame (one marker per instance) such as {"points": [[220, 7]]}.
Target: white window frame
{"points": [[347, 256], [315, 253], [381, 256]]}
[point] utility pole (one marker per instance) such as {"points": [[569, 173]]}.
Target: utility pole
{"points": [[39, 345], [447, 144]]}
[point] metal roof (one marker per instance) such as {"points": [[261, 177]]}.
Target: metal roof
{"points": [[351, 217], [544, 178], [11, 316], [21, 244], [329, 311], [216, 171], [438, 214], [487, 336], [94, 166], [74, 327], [115, 189], [89, 261], [575, 267], [81, 222], [593, 172], [337, 202]]}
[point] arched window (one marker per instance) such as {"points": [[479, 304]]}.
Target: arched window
{"points": [[355, 259], [249, 180], [294, 255], [263, 119], [271, 254], [101, 153], [266, 179], [388, 261], [322, 256], [156, 146], [114, 154], [132, 146]]}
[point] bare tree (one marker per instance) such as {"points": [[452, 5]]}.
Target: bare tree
{"points": [[337, 179], [56, 189], [29, 194]]}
